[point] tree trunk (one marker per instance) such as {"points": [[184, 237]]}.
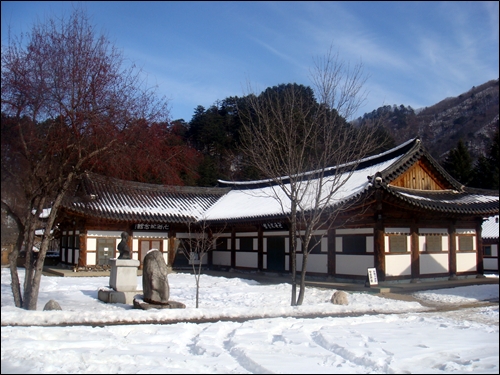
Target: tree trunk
{"points": [[197, 290], [32, 285], [300, 299], [15, 283], [293, 243]]}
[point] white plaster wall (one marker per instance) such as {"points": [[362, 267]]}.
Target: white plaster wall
{"points": [[104, 233], [494, 250], [466, 262], [433, 263], [315, 263], [397, 264], [91, 244], [165, 251], [324, 245], [490, 264], [247, 260], [91, 259], [221, 258], [370, 244], [353, 264], [338, 244]]}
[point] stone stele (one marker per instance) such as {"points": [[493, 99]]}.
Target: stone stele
{"points": [[155, 283]]}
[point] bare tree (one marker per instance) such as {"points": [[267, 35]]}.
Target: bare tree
{"points": [[201, 240], [294, 138], [69, 99]]}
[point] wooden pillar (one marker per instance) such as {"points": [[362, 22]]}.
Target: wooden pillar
{"points": [[379, 248], [233, 247], [452, 256], [260, 248], [331, 252], [379, 241], [82, 259], [415, 253], [479, 245], [210, 250], [171, 248]]}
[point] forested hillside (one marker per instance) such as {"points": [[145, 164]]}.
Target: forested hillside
{"points": [[471, 117]]}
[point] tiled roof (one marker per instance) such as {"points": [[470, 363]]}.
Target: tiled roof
{"points": [[120, 200], [114, 199], [258, 199], [490, 228], [448, 201]]}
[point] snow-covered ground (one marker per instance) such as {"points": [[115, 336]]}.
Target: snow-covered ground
{"points": [[381, 336]]}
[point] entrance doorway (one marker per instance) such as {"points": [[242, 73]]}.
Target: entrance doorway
{"points": [[147, 244], [276, 254]]}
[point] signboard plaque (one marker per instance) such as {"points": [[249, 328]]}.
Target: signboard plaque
{"points": [[372, 276]]}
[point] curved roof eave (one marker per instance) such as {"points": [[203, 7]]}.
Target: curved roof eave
{"points": [[447, 201]]}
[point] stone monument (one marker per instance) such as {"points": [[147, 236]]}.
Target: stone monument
{"points": [[123, 276], [155, 284]]}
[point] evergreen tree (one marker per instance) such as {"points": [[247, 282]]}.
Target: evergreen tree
{"points": [[458, 163], [485, 174]]}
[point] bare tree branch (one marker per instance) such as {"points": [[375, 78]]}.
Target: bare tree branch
{"points": [[295, 136]]}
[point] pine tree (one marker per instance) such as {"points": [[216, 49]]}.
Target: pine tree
{"points": [[458, 163], [485, 174]]}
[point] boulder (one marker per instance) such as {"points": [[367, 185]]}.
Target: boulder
{"points": [[154, 278], [52, 305], [340, 298]]}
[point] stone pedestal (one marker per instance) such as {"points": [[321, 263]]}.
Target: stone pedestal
{"points": [[123, 276], [122, 282]]}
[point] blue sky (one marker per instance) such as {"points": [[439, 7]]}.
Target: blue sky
{"points": [[414, 53]]}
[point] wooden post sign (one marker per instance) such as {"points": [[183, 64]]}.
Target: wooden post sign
{"points": [[372, 276]]}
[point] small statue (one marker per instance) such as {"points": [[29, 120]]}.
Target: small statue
{"points": [[123, 247]]}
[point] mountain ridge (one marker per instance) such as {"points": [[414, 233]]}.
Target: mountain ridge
{"points": [[473, 117]]}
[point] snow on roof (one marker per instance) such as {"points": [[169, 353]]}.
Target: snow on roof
{"points": [[490, 227], [44, 214], [462, 199], [367, 159], [272, 201]]}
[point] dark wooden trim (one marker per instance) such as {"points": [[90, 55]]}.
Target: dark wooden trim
{"points": [[379, 250], [415, 252], [452, 256], [331, 252], [260, 248], [233, 247], [479, 245]]}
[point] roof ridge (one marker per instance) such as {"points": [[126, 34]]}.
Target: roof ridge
{"points": [[328, 171], [98, 178]]}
